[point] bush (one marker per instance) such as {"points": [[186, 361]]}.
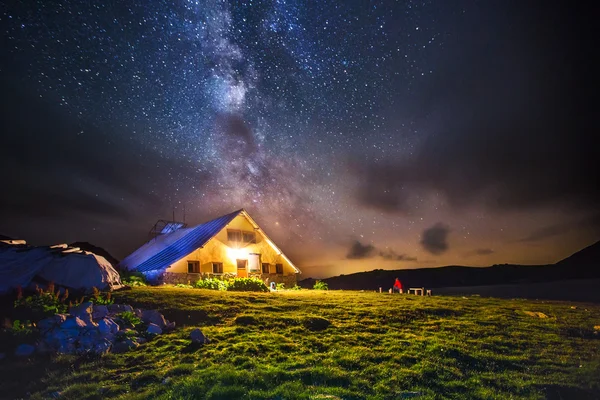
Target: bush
{"points": [[42, 304], [184, 286], [211, 283], [319, 285], [247, 285], [280, 286], [128, 318], [102, 299], [133, 279], [296, 287]]}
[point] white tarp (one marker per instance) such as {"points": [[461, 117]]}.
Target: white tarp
{"points": [[76, 270]]}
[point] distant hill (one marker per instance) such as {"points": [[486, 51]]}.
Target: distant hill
{"points": [[583, 264], [96, 250]]}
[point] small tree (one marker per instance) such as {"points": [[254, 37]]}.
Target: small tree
{"points": [[319, 285]]}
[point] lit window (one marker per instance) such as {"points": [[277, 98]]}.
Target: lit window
{"points": [[241, 264], [249, 237], [193, 267], [279, 269], [217, 268], [234, 235], [265, 268]]}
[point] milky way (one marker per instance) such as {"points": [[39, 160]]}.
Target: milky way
{"points": [[280, 107]]}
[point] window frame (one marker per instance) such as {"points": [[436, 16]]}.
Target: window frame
{"points": [[219, 267], [195, 264], [268, 271], [279, 269]]}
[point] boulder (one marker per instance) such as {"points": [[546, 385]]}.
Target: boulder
{"points": [[24, 350], [99, 312], [198, 337], [119, 308], [51, 322], [107, 327], [102, 347], [73, 322], [124, 346], [83, 311], [153, 317], [154, 329]]}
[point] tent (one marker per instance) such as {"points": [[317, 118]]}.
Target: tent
{"points": [[60, 264]]}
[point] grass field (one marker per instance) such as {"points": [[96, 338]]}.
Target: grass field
{"points": [[336, 344]]}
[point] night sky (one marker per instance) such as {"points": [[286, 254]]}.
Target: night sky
{"points": [[359, 134]]}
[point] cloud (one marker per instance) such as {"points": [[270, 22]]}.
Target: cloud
{"points": [[360, 251], [591, 223], [435, 239], [479, 252], [393, 256], [511, 131]]}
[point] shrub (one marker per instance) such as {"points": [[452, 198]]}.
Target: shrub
{"points": [[296, 287], [128, 318], [133, 279], [99, 298], [319, 285], [43, 303], [280, 286], [184, 286], [247, 285], [211, 283]]}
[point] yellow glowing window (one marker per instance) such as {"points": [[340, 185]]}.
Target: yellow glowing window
{"points": [[279, 269], [234, 235]]}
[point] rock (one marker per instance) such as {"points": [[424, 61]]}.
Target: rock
{"points": [[153, 317], [170, 325], [154, 329], [107, 326], [198, 337], [24, 350], [99, 312], [124, 346], [119, 308], [83, 311], [51, 322], [140, 340], [102, 347], [138, 312], [73, 322]]}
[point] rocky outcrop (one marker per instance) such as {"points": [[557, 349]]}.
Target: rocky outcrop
{"points": [[96, 329]]}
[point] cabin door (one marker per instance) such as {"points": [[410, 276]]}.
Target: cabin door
{"points": [[242, 268]]}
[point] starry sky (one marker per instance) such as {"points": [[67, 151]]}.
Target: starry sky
{"points": [[359, 134]]}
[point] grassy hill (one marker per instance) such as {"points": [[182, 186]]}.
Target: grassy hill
{"points": [[336, 344], [584, 264]]}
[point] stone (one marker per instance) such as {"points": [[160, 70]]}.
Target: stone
{"points": [[153, 317], [24, 350], [102, 347], [141, 340], [124, 346], [73, 322], [154, 329], [170, 325], [51, 322], [99, 312], [119, 308], [83, 311], [107, 326], [198, 337], [138, 312]]}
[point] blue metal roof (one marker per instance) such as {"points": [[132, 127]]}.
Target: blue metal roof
{"points": [[164, 250]]}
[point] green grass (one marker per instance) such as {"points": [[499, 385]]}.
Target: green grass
{"points": [[335, 344]]}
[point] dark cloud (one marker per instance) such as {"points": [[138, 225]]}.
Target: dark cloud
{"points": [[435, 239], [479, 252], [393, 256], [360, 251], [509, 127], [591, 223]]}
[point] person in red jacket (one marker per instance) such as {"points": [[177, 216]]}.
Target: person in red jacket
{"points": [[398, 286]]}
